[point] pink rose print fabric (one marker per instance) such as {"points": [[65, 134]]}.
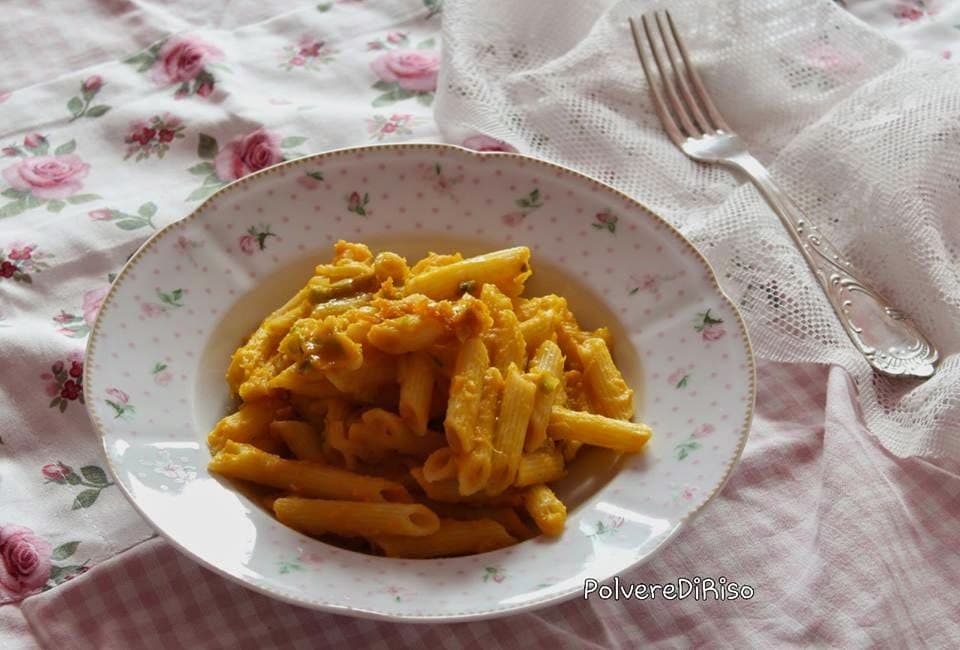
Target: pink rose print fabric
{"points": [[310, 53], [242, 155], [409, 69], [24, 562], [82, 105], [154, 136], [405, 73], [181, 59], [248, 153], [185, 61], [95, 160], [43, 175], [48, 177]]}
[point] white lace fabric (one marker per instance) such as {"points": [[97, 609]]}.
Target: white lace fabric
{"points": [[862, 136]]}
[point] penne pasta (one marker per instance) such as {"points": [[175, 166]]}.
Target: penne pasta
{"points": [[250, 421], [504, 338], [268, 443], [434, 260], [575, 395], [441, 465], [506, 516], [599, 430], [527, 308], [568, 338], [298, 382], [465, 390], [257, 385], [415, 374], [309, 410], [473, 467], [379, 432], [356, 518], [546, 510], [407, 333], [511, 431], [339, 282], [301, 438], [382, 383], [241, 461], [339, 306], [507, 269], [454, 537], [548, 363], [448, 491], [606, 388], [537, 329], [263, 342], [544, 465], [369, 383], [335, 442]]}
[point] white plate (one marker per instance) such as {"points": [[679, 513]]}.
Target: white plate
{"points": [[158, 352]]}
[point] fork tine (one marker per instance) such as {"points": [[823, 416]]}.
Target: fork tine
{"points": [[669, 125], [671, 92], [692, 104], [718, 120]]}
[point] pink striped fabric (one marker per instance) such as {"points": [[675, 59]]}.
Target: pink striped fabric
{"points": [[843, 544]]}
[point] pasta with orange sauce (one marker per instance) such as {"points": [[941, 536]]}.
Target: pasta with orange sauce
{"points": [[383, 395]]}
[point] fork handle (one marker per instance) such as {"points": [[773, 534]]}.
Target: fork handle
{"points": [[888, 339]]}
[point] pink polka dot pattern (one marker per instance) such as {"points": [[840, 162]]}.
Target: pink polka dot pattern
{"points": [[639, 278]]}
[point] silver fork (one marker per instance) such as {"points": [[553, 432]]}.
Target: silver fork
{"points": [[888, 339]]}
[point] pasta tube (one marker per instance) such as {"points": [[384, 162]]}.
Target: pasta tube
{"points": [[415, 374], [608, 392], [299, 382], [548, 362], [541, 466], [263, 342], [465, 391], [301, 438], [248, 463], [504, 338], [448, 491], [250, 421], [454, 537], [506, 516], [508, 269], [407, 333], [356, 518], [599, 430], [537, 329], [473, 468], [546, 510], [380, 431], [511, 431], [257, 387], [440, 465]]}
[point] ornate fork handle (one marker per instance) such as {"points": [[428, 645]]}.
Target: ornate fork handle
{"points": [[888, 339]]}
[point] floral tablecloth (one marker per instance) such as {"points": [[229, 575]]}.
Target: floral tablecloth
{"points": [[116, 120]]}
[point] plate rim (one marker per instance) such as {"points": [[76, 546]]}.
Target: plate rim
{"points": [[374, 614]]}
